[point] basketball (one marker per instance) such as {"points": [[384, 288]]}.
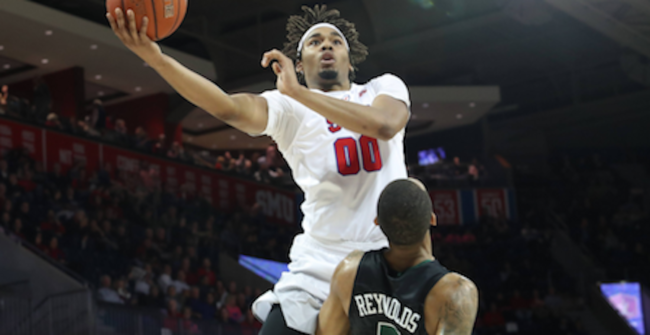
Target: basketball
{"points": [[165, 16]]}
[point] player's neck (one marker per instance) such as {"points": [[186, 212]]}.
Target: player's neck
{"points": [[329, 86], [401, 258]]}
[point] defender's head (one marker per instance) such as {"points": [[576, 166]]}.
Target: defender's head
{"points": [[325, 47], [404, 212]]}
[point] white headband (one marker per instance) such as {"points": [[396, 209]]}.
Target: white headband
{"points": [[321, 25]]}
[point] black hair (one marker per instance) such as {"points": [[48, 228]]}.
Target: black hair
{"points": [[404, 212], [298, 25]]}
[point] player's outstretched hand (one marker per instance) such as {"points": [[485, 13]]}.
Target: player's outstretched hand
{"points": [[287, 82], [136, 41]]}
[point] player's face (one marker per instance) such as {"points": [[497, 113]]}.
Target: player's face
{"points": [[325, 58]]}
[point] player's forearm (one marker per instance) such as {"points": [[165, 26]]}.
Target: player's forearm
{"points": [[366, 120], [196, 89]]}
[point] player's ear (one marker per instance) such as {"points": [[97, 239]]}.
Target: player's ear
{"points": [[434, 219], [376, 222], [299, 67]]}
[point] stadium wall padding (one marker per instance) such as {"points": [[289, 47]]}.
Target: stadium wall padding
{"points": [[18, 263]]}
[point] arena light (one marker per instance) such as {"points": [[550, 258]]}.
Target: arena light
{"points": [[100, 93], [200, 125], [138, 88], [93, 47], [233, 137], [49, 32], [145, 64], [2, 47], [214, 146], [189, 139], [98, 77], [472, 105], [7, 66], [45, 61], [425, 105], [459, 116]]}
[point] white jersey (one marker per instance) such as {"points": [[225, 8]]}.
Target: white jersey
{"points": [[342, 173]]}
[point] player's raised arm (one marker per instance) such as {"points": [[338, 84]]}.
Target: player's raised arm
{"points": [[246, 112], [386, 117], [451, 306], [333, 317]]}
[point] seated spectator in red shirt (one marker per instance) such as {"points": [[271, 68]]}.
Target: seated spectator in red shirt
{"points": [[26, 181], [234, 313], [206, 271], [52, 224], [172, 315], [189, 327], [54, 250], [493, 317], [38, 243]]}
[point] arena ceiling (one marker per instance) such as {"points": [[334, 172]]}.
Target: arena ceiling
{"points": [[542, 54]]}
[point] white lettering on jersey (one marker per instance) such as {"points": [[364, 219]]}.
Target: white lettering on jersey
{"points": [[369, 304]]}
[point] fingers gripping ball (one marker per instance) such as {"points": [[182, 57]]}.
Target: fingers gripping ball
{"points": [[165, 16]]}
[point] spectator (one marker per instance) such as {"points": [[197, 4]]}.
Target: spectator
{"points": [[194, 301], [140, 139], [176, 151], [172, 294], [189, 327], [206, 271], [122, 290], [234, 313], [54, 251], [180, 283], [120, 132], [154, 299], [52, 121], [4, 99], [208, 309], [165, 278], [98, 116], [552, 300], [38, 243], [87, 130], [159, 147], [106, 293], [144, 284], [250, 326], [4, 171], [18, 228]]}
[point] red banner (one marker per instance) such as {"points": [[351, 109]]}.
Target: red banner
{"points": [[492, 202], [446, 205], [226, 193], [16, 135], [66, 150]]}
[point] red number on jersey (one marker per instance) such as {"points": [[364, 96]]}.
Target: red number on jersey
{"points": [[370, 153], [347, 156]]}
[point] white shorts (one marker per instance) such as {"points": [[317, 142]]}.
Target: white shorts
{"points": [[302, 291]]}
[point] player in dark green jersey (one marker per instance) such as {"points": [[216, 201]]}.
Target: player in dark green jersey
{"points": [[402, 289]]}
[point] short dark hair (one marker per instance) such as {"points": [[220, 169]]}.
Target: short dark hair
{"points": [[298, 25], [404, 212]]}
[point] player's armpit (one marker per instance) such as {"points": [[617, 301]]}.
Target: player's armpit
{"points": [[451, 307]]}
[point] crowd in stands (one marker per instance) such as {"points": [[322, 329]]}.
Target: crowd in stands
{"points": [[522, 290], [606, 205], [141, 246], [453, 173], [265, 166]]}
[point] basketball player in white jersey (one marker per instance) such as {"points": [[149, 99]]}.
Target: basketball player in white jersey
{"points": [[343, 143]]}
